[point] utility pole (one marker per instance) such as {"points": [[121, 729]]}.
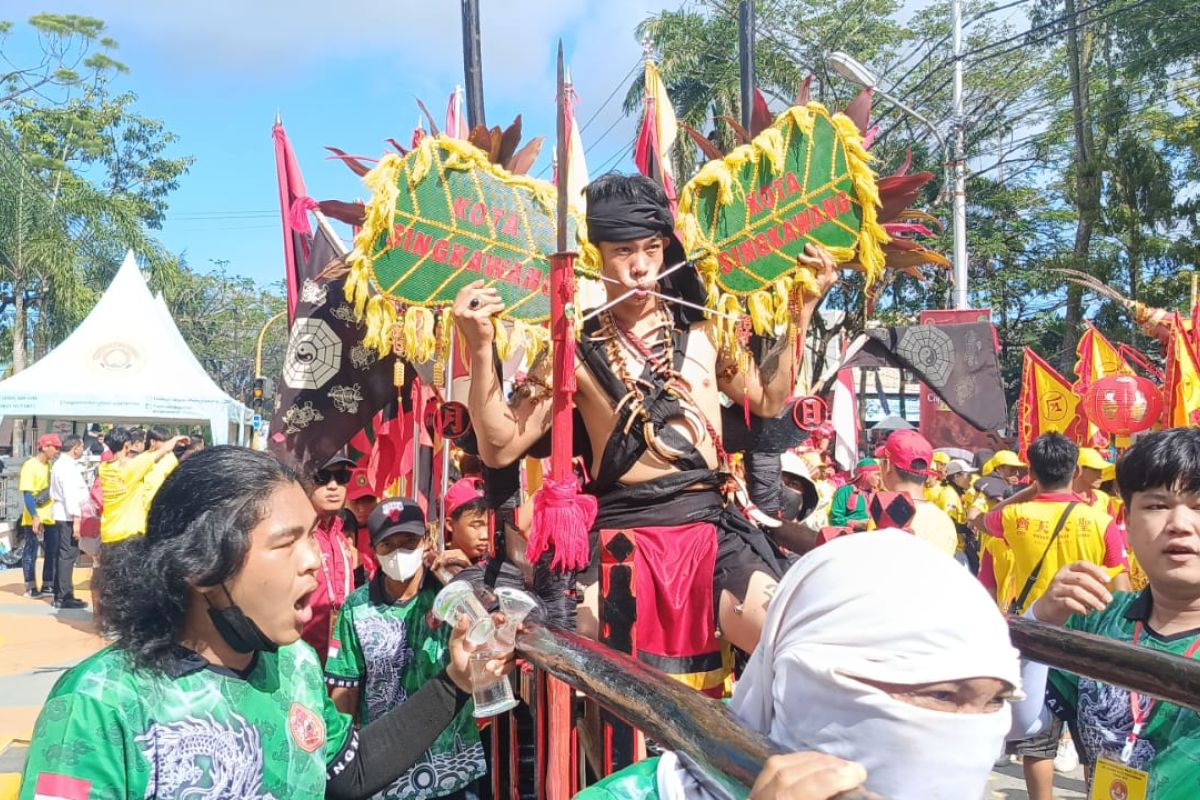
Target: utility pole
{"points": [[746, 58], [961, 276], [472, 63]]}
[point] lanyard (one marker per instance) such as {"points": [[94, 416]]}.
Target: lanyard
{"points": [[1142, 714], [338, 549]]}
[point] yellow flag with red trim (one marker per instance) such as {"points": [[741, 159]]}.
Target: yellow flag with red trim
{"points": [[1096, 358], [1182, 387], [1048, 403]]}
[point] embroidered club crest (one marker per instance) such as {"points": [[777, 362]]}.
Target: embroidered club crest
{"points": [[308, 730]]}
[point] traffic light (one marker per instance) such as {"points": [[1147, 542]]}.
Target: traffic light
{"points": [[258, 393]]}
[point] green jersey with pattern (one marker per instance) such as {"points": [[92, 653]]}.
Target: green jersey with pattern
{"points": [[388, 650], [197, 731], [1169, 747]]}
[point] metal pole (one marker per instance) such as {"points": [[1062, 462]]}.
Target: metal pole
{"points": [[961, 300], [262, 334], [746, 58], [447, 444], [472, 63]]}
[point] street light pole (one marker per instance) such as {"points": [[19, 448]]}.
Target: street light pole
{"points": [[961, 299], [746, 60], [955, 162]]}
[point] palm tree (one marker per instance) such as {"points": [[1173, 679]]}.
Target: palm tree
{"points": [[698, 58]]}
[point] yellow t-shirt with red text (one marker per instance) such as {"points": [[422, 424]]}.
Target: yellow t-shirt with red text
{"points": [[1024, 531]]}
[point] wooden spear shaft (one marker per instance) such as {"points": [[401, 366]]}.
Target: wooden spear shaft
{"points": [[1149, 672], [674, 715]]}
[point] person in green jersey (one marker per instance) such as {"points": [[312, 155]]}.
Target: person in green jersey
{"points": [[1152, 746], [849, 506], [384, 650], [207, 690]]}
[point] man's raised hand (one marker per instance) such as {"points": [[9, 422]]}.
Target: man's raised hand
{"points": [[473, 310], [825, 270], [1078, 588]]}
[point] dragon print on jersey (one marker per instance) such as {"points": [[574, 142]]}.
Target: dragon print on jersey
{"points": [[387, 653], [199, 758], [437, 775], [1105, 720]]}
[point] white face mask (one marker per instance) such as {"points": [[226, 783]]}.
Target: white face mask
{"points": [[886, 608], [400, 565], [911, 753]]}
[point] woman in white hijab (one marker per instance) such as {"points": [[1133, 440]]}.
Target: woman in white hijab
{"points": [[879, 650]]}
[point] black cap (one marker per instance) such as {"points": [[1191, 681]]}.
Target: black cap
{"points": [[338, 460], [395, 515], [993, 487]]}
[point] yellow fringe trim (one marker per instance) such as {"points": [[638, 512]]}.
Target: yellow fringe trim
{"points": [[424, 334], [769, 307]]}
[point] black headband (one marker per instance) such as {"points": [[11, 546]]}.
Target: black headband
{"points": [[616, 220]]}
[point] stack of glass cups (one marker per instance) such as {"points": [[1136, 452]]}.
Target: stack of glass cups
{"points": [[492, 694]]}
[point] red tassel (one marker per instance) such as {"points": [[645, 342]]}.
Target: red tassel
{"points": [[562, 519], [746, 407]]}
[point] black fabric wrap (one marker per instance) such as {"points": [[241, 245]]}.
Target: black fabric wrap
{"points": [[614, 220]]}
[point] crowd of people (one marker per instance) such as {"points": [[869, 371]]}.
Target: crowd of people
{"points": [[77, 492], [272, 633]]}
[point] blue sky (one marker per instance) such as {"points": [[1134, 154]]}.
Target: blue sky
{"points": [[340, 73]]}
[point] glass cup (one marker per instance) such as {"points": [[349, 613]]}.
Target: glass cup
{"points": [[458, 599], [515, 605], [493, 694]]}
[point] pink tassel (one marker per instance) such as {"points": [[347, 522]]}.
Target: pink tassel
{"points": [[298, 214], [562, 519]]}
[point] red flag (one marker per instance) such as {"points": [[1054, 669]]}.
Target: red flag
{"points": [[657, 135], [844, 416], [456, 122], [294, 205]]}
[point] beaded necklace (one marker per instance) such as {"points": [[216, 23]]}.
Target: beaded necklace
{"points": [[660, 356]]}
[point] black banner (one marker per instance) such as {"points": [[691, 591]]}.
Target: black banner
{"points": [[331, 384], [957, 362]]}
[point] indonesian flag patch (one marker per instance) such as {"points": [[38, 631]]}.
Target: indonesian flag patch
{"points": [[308, 729], [60, 787], [335, 647]]}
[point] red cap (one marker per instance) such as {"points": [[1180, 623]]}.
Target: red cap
{"points": [[461, 493], [49, 439], [909, 451], [359, 486]]}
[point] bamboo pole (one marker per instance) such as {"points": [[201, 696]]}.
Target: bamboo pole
{"points": [[1149, 672], [676, 716]]}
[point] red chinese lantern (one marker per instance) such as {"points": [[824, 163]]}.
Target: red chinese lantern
{"points": [[1122, 405]]}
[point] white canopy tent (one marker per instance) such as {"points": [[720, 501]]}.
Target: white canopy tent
{"points": [[126, 362]]}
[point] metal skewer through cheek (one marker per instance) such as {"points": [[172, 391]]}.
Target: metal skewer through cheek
{"points": [[641, 292]]}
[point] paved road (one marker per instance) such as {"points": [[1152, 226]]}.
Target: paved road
{"points": [[38, 643]]}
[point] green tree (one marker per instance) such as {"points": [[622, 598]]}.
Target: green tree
{"points": [[220, 317], [83, 178]]}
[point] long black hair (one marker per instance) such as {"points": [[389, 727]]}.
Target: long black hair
{"points": [[197, 534]]}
